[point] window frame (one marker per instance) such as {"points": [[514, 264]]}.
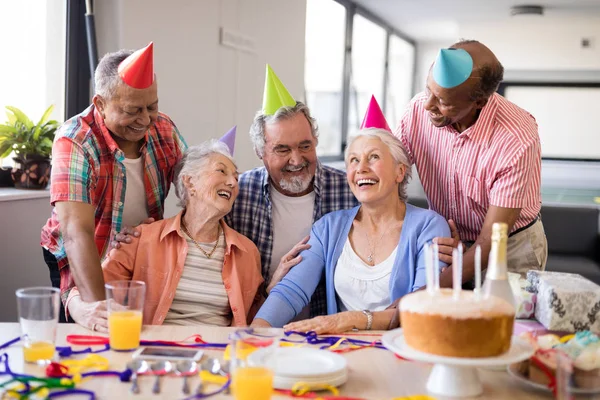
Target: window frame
{"points": [[594, 84], [352, 9], [77, 70]]}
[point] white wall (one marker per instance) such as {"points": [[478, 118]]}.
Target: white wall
{"points": [[204, 87], [551, 42], [22, 263]]}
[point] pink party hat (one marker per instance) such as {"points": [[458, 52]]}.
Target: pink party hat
{"points": [[229, 139], [137, 70], [374, 117]]}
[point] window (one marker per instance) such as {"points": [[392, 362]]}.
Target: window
{"points": [[32, 72], [367, 70], [400, 79], [324, 66], [350, 55]]}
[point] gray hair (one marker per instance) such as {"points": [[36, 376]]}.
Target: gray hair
{"points": [[257, 129], [193, 161], [399, 153], [106, 77]]}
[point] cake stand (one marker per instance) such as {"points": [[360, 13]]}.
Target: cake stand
{"points": [[454, 376]]}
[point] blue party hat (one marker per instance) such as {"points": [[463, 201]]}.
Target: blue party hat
{"points": [[229, 139], [452, 67]]}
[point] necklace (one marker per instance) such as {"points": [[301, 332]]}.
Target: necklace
{"points": [[371, 256], [208, 255]]}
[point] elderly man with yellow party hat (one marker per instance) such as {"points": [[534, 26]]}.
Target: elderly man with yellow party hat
{"points": [[487, 158], [279, 202], [112, 167]]}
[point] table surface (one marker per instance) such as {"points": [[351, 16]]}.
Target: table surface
{"points": [[373, 373]]}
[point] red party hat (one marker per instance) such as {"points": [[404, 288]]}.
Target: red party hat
{"points": [[137, 70]]}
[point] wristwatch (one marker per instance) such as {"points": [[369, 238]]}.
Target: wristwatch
{"points": [[369, 315]]}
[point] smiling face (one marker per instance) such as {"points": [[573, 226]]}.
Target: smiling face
{"points": [[290, 155], [214, 187], [130, 112], [452, 106], [373, 174]]}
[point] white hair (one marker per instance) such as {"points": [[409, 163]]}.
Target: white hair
{"points": [[397, 150], [106, 77], [257, 129], [193, 162]]}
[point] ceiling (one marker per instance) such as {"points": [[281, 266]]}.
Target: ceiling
{"points": [[439, 20]]}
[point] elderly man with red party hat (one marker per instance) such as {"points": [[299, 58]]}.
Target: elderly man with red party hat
{"points": [[372, 254], [112, 167], [478, 157]]}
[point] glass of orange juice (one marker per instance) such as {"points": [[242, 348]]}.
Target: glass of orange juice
{"points": [[125, 306], [38, 315], [252, 382]]}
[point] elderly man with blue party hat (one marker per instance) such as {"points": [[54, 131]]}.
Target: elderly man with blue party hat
{"points": [[478, 157], [279, 201]]}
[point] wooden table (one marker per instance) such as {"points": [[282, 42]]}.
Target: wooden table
{"points": [[373, 373]]}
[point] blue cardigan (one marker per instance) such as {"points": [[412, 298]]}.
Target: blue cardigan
{"points": [[327, 239]]}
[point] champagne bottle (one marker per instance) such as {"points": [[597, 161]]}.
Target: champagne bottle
{"points": [[496, 279]]}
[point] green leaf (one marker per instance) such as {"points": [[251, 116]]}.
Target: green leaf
{"points": [[46, 115], [8, 129], [38, 127], [21, 117], [5, 150], [11, 118]]}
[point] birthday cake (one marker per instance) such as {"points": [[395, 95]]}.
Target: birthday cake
{"points": [[466, 326]]}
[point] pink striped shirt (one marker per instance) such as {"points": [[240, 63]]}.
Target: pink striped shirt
{"points": [[495, 162]]}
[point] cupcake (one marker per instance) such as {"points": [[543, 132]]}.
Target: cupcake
{"points": [[578, 343], [587, 368], [542, 366]]}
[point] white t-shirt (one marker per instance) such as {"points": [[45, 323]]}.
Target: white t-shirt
{"points": [[135, 207], [360, 286], [292, 220]]}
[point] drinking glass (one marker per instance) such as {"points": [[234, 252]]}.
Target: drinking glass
{"points": [[252, 382], [125, 306], [38, 315]]}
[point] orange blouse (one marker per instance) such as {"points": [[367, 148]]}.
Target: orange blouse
{"points": [[157, 258]]}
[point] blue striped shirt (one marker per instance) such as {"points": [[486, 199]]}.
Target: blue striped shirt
{"points": [[251, 214]]}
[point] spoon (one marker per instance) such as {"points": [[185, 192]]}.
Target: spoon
{"points": [[214, 366], [136, 367], [186, 368], [160, 368]]}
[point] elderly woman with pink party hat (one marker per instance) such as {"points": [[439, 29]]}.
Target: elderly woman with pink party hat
{"points": [[197, 270], [372, 254]]}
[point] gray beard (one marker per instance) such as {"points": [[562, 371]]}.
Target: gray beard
{"points": [[295, 184]]}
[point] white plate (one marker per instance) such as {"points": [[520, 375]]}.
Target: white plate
{"points": [[286, 383], [513, 371], [519, 351], [299, 362]]}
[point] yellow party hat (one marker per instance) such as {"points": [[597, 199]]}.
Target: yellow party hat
{"points": [[276, 95]]}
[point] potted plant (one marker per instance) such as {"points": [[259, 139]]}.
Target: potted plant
{"points": [[32, 146]]}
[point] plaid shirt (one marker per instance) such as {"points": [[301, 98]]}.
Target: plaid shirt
{"points": [[87, 167], [252, 217]]}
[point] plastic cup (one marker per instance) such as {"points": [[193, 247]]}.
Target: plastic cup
{"points": [[125, 306], [252, 383], [38, 315]]}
